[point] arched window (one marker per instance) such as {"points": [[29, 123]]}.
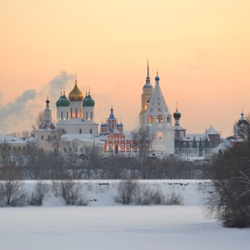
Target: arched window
{"points": [[110, 147], [128, 147], [150, 119], [122, 147]]}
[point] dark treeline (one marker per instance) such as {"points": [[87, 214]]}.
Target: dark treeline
{"points": [[33, 163]]}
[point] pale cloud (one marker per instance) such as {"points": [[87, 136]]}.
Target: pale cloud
{"points": [[20, 114]]}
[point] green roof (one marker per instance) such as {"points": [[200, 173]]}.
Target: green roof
{"points": [[63, 101], [88, 101]]}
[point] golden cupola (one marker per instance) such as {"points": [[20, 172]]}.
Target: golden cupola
{"points": [[75, 95]]}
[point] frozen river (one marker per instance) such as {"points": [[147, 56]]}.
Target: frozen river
{"points": [[116, 227]]}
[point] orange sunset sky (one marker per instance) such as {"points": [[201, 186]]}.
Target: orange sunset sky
{"points": [[200, 48]]}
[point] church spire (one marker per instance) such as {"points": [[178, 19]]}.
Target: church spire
{"points": [[148, 77]]}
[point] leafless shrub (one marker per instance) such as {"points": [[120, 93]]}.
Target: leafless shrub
{"points": [[150, 196], [38, 195], [174, 199], [229, 200], [12, 193], [127, 191], [157, 197], [70, 191], [11, 187]]}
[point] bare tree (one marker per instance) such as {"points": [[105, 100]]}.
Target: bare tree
{"points": [[71, 154], [5, 154], [230, 174], [56, 139], [25, 134], [42, 165], [71, 191], [91, 159], [38, 120], [127, 191], [142, 143], [11, 187], [38, 195]]}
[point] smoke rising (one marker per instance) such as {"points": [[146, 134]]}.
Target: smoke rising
{"points": [[21, 113]]}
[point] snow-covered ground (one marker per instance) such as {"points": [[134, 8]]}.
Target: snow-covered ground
{"points": [[105, 192], [116, 227], [106, 224]]}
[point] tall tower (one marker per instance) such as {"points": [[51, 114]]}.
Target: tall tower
{"points": [[180, 132], [158, 120], [47, 111], [147, 91]]}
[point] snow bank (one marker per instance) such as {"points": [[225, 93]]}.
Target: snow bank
{"points": [[105, 192]]}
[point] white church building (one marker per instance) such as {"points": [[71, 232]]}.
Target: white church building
{"points": [[75, 116], [156, 117]]}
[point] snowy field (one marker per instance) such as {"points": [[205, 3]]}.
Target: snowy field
{"points": [[116, 227], [106, 224]]}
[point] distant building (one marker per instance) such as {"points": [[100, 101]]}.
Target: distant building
{"points": [[155, 117], [115, 140], [12, 143], [11, 150], [46, 129], [75, 115], [169, 139], [241, 130], [75, 126], [240, 127]]}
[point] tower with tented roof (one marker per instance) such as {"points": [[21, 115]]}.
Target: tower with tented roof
{"points": [[158, 120]]}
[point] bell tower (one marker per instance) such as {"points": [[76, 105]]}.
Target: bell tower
{"points": [[147, 91]]}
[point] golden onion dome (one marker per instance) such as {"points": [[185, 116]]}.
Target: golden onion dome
{"points": [[76, 95]]}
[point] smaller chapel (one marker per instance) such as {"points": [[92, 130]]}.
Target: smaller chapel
{"points": [[114, 138]]}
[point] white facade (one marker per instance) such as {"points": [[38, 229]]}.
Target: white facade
{"points": [[75, 115], [44, 132], [79, 126], [158, 120]]}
